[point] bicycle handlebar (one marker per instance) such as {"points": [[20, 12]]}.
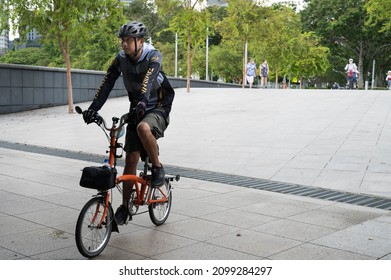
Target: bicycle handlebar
{"points": [[100, 118]]}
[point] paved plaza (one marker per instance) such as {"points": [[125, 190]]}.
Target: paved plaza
{"points": [[334, 140]]}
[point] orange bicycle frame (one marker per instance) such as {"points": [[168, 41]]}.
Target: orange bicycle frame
{"points": [[104, 210], [140, 185]]}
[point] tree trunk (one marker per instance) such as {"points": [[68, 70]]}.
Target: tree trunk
{"points": [[244, 81], [188, 61], [69, 83], [276, 76], [360, 67], [65, 52]]}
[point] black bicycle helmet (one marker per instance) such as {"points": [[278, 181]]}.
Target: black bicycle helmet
{"points": [[133, 29]]}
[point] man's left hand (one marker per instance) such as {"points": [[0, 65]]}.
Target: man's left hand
{"points": [[139, 111]]}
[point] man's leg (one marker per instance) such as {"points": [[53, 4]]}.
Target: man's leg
{"points": [[149, 142], [122, 212], [131, 161], [150, 145]]}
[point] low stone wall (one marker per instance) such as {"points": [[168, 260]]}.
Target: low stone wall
{"points": [[30, 87]]}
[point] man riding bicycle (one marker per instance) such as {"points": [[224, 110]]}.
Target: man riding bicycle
{"points": [[150, 95]]}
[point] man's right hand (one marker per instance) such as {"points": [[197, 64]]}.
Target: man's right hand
{"points": [[89, 116]]}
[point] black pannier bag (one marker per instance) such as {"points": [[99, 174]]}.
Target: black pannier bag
{"points": [[100, 178]]}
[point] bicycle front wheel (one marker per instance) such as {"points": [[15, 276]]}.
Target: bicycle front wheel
{"points": [[159, 211], [93, 232]]}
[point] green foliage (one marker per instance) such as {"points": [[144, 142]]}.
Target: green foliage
{"points": [[27, 56], [239, 23], [189, 23], [84, 30], [309, 58], [280, 25], [379, 12], [168, 53], [313, 44], [343, 27], [97, 50], [225, 61]]}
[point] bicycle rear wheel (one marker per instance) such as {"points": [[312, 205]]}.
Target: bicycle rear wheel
{"points": [[92, 236], [159, 211]]}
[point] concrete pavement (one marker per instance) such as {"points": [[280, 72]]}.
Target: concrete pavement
{"points": [[337, 140]]}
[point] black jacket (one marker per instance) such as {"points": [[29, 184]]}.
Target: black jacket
{"points": [[144, 81]]}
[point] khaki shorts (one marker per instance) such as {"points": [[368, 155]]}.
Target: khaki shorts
{"points": [[156, 122]]}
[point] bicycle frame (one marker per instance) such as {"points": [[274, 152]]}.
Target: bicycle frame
{"points": [[140, 182], [96, 220], [107, 199]]}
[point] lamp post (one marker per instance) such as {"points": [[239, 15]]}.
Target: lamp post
{"points": [[373, 75], [244, 64], [176, 55], [207, 54]]}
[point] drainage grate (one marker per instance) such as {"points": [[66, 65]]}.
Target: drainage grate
{"points": [[229, 179]]}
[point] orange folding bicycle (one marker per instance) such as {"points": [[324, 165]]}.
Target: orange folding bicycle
{"points": [[96, 220]]}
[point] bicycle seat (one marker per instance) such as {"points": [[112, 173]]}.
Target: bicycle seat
{"points": [[144, 155]]}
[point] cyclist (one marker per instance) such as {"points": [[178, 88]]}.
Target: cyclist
{"points": [[351, 70], [150, 95]]}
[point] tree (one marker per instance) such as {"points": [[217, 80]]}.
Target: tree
{"points": [[63, 20], [29, 56], [280, 26], [187, 22], [308, 58], [379, 11], [238, 26], [342, 26], [225, 61]]}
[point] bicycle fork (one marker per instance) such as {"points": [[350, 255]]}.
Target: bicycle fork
{"points": [[106, 206]]}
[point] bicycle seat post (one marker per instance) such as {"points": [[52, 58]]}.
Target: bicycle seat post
{"points": [[146, 165]]}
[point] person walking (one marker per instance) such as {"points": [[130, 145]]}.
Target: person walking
{"points": [[251, 72], [264, 73]]}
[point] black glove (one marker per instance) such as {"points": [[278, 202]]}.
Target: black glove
{"points": [[90, 116], [139, 111]]}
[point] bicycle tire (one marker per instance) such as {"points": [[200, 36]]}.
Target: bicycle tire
{"points": [[91, 239], [158, 212]]}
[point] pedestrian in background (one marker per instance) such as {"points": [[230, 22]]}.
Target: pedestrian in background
{"points": [[388, 80], [264, 73], [251, 72]]}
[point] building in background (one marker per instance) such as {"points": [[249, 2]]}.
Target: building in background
{"points": [[220, 3], [4, 42], [33, 38]]}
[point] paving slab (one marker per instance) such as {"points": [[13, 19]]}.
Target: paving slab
{"points": [[336, 140]]}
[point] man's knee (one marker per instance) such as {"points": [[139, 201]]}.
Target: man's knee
{"points": [[143, 129]]}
